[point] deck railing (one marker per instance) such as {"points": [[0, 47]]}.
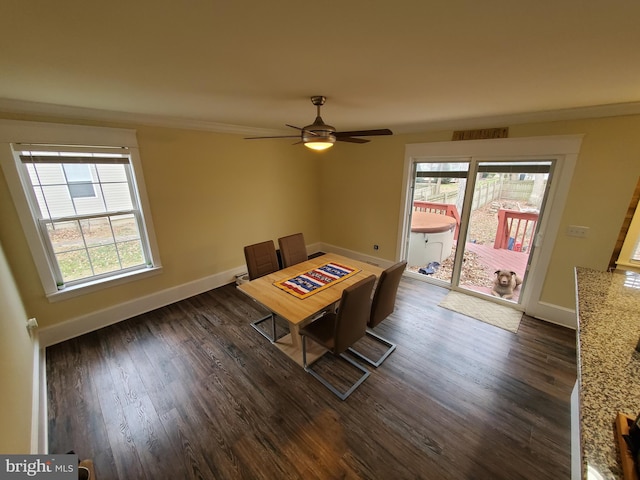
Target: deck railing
{"points": [[447, 209], [515, 230]]}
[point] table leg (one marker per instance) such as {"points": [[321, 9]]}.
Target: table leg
{"points": [[291, 345], [296, 339]]}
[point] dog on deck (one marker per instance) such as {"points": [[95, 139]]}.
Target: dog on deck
{"points": [[505, 283]]}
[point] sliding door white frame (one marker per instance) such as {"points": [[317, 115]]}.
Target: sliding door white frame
{"points": [[563, 148]]}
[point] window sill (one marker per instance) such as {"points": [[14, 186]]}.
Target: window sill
{"points": [[630, 265], [90, 287]]}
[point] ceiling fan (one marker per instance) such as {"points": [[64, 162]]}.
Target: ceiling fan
{"points": [[320, 136]]}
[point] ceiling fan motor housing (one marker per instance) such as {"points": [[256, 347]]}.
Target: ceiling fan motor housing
{"points": [[311, 134]]}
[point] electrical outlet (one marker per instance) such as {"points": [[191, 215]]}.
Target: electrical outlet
{"points": [[577, 231]]}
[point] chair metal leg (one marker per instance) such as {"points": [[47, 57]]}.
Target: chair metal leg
{"points": [[384, 341], [334, 390], [262, 332]]}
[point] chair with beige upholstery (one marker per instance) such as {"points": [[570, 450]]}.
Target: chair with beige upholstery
{"points": [[262, 260], [338, 331], [293, 250], [384, 301]]}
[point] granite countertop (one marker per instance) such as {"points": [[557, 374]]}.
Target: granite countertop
{"points": [[608, 306]]}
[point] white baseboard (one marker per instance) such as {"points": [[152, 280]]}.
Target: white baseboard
{"points": [[36, 394], [102, 318], [548, 312], [39, 443], [42, 429], [95, 320], [114, 314]]}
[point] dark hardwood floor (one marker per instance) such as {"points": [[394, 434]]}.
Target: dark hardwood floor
{"points": [[192, 391]]}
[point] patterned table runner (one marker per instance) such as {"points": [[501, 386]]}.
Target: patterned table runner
{"points": [[304, 284]]}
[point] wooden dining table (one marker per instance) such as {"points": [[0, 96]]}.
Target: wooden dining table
{"points": [[298, 312]]}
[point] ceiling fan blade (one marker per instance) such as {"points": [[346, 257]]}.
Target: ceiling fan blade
{"points": [[365, 133], [352, 140], [278, 136]]}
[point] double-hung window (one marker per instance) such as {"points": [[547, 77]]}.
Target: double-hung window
{"points": [[86, 209]]}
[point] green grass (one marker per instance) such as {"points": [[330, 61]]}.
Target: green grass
{"points": [[75, 265]]}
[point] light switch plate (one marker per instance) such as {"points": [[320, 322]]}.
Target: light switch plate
{"points": [[578, 231]]}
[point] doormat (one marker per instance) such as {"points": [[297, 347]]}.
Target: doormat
{"points": [[489, 312], [313, 281]]}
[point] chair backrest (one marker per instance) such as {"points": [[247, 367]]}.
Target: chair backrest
{"points": [[353, 314], [384, 298], [261, 259], [293, 249]]}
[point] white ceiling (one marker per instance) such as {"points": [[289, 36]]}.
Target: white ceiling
{"points": [[408, 65]]}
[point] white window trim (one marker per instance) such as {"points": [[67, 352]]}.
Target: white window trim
{"points": [[36, 132]]}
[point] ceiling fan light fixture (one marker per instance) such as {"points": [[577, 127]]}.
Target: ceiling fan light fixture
{"points": [[320, 143]]}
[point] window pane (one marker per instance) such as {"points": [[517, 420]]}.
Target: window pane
{"points": [[65, 236], [49, 174], [42, 205], [97, 231], [31, 169], [90, 205], [127, 235], [74, 265], [111, 173], [125, 227], [81, 190], [131, 253], [117, 196], [58, 201], [77, 172], [104, 259]]}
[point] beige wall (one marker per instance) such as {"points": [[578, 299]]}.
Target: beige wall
{"points": [[16, 367], [604, 180], [361, 193], [362, 208], [211, 194]]}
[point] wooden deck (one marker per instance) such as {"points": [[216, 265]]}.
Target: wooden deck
{"points": [[495, 256], [498, 259]]}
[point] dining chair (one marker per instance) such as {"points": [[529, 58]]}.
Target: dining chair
{"points": [[338, 331], [262, 260], [292, 249], [383, 304]]}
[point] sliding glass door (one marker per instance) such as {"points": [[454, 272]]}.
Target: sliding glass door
{"points": [[471, 218]]}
